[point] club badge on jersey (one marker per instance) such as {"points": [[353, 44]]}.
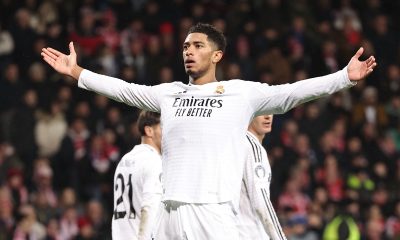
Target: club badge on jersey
{"points": [[220, 89], [260, 171]]}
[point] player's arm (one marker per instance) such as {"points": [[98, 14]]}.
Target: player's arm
{"points": [[152, 191], [256, 182], [144, 223], [143, 97], [282, 98]]}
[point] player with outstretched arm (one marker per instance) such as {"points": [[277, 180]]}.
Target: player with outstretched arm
{"points": [[204, 126]]}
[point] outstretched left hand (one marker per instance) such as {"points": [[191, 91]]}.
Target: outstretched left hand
{"points": [[358, 70]]}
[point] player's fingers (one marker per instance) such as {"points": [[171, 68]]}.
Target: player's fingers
{"points": [[55, 52], [48, 53], [370, 60], [71, 48], [370, 69], [49, 60], [359, 53]]}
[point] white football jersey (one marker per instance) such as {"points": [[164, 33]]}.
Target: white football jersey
{"points": [[137, 184], [204, 126], [256, 215]]}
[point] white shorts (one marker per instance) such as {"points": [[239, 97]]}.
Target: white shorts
{"points": [[186, 221]]}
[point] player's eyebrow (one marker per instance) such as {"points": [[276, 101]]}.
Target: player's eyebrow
{"points": [[194, 42]]}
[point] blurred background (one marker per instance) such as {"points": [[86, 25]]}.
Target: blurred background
{"points": [[59, 145]]}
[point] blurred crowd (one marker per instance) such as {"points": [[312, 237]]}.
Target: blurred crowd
{"points": [[59, 145]]}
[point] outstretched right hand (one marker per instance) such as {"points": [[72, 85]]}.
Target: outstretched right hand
{"points": [[65, 64]]}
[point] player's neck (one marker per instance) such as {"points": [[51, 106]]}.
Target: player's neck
{"points": [[149, 141], [260, 137], [209, 77]]}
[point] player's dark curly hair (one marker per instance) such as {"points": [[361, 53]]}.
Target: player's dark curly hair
{"points": [[147, 118], [213, 34]]}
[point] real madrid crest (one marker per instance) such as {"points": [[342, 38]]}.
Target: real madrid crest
{"points": [[220, 89], [260, 171]]}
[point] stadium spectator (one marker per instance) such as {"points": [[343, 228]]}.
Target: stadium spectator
{"points": [[7, 214], [6, 46], [50, 129], [28, 225]]}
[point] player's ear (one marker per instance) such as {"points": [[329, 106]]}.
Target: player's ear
{"points": [[148, 131], [217, 56]]}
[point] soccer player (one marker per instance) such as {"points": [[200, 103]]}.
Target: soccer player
{"points": [[204, 126], [256, 216], [137, 183]]}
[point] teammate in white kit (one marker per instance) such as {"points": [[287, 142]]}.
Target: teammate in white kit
{"points": [[137, 183], [204, 126], [257, 217]]}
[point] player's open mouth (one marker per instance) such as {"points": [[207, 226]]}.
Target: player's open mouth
{"points": [[189, 62]]}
